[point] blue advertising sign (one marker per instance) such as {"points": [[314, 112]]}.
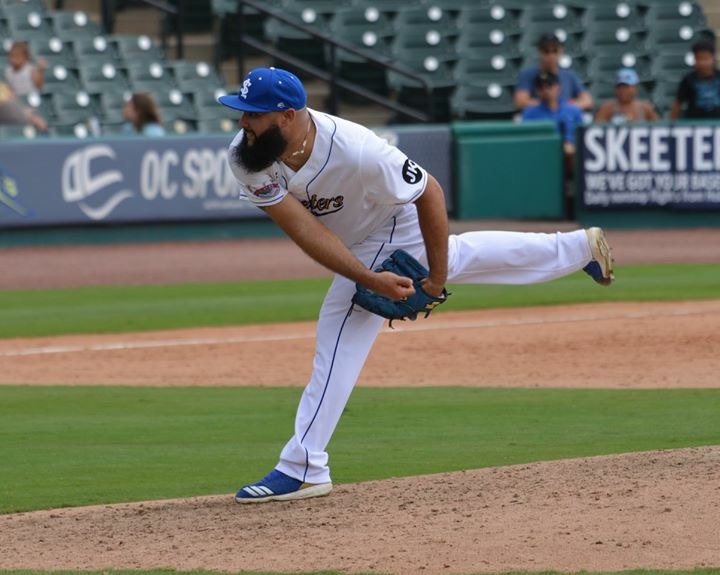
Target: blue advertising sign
{"points": [[56, 182], [128, 180], [650, 166]]}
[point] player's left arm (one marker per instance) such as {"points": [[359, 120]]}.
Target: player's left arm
{"points": [[432, 216]]}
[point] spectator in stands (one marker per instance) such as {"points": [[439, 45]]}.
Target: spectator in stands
{"points": [[567, 117], [22, 75], [142, 116], [573, 91], [12, 111], [698, 95], [626, 107]]}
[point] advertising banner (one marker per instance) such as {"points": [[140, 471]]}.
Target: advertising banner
{"points": [[650, 166], [135, 180]]}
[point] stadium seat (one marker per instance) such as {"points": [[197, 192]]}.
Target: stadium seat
{"points": [[174, 104], [603, 67], [496, 69], [413, 45], [130, 49], [73, 25], [388, 7], [370, 30], [425, 18], [217, 126], [483, 102], [28, 26], [496, 16], [681, 12], [411, 93], [54, 51], [98, 78], [617, 13], [672, 66], [95, 50], [111, 106], [42, 104], [670, 36], [481, 40], [149, 76], [59, 78], [552, 17], [76, 105], [17, 131], [189, 75], [611, 38]]}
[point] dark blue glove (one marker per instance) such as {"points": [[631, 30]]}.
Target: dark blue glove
{"points": [[403, 264]]}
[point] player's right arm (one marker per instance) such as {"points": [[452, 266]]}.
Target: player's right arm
{"points": [[326, 248]]}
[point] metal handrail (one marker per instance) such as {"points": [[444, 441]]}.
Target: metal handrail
{"points": [[332, 76]]}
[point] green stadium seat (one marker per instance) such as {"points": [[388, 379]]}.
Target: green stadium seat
{"points": [[370, 30], [28, 26], [97, 50], [425, 18], [553, 17], [59, 78], [491, 101], [54, 51], [68, 25], [175, 104], [611, 39], [188, 75], [675, 37], [130, 48], [76, 105], [42, 104], [111, 106], [604, 67], [496, 16], [482, 40], [681, 12], [410, 92], [485, 70], [617, 13], [17, 132], [217, 126], [671, 66], [98, 78]]}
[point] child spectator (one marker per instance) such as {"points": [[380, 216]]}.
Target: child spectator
{"points": [[698, 95], [626, 107], [21, 74], [142, 116]]}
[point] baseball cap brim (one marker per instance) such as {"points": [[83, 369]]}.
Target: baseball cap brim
{"points": [[236, 103]]}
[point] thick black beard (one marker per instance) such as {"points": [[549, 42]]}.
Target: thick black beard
{"points": [[266, 150]]}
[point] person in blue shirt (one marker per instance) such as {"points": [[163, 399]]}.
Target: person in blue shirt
{"points": [[142, 116], [551, 107], [572, 90], [566, 116]]}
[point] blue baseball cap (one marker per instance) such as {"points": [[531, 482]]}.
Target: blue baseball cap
{"points": [[267, 90], [627, 76]]}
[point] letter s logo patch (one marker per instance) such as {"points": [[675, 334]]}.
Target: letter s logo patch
{"points": [[411, 172]]}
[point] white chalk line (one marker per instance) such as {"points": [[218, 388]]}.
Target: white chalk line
{"points": [[405, 328]]}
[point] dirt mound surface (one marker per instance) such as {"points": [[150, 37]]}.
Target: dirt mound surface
{"points": [[645, 510]]}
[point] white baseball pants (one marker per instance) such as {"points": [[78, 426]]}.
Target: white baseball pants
{"points": [[346, 334]]}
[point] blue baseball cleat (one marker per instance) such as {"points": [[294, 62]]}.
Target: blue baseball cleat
{"points": [[600, 268], [276, 486]]}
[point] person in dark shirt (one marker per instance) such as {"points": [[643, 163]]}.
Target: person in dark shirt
{"points": [[698, 95]]}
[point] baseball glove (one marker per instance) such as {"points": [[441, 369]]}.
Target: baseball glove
{"points": [[403, 264]]}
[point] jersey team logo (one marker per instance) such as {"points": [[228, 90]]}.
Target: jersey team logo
{"points": [[267, 190], [411, 172]]}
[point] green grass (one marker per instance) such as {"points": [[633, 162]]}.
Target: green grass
{"points": [[69, 446], [27, 313]]}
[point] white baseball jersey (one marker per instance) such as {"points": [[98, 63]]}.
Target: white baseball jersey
{"points": [[354, 180]]}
